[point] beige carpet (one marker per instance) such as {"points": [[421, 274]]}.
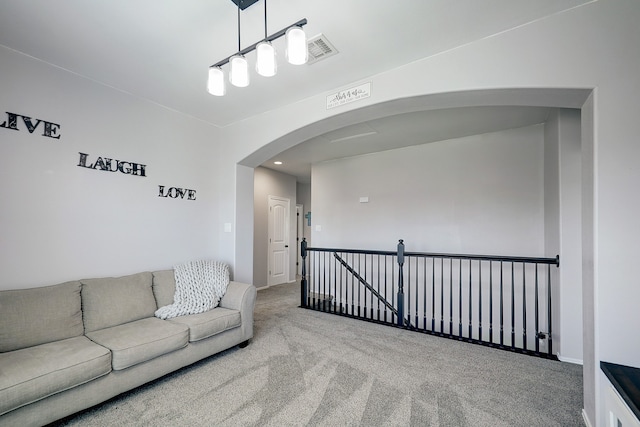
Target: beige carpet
{"points": [[309, 368]]}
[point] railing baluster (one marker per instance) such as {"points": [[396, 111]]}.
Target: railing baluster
{"points": [[312, 276], [459, 298], [450, 296], [470, 301], [386, 297], [407, 288], [501, 307], [341, 307], [441, 295], [480, 300], [537, 314], [524, 306], [491, 301], [417, 294], [433, 294], [317, 280], [549, 338], [378, 270], [513, 309], [393, 290], [424, 286], [327, 272]]}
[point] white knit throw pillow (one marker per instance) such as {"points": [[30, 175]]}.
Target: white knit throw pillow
{"points": [[199, 287]]}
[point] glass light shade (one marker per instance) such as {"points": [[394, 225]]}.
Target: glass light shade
{"points": [[266, 62], [239, 74], [215, 84], [296, 46]]}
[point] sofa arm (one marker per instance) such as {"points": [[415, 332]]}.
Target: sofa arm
{"points": [[242, 297], [239, 295]]}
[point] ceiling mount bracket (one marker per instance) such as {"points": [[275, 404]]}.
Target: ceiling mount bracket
{"points": [[243, 4]]}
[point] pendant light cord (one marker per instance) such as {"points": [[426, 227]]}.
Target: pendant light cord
{"points": [[239, 25], [265, 19]]}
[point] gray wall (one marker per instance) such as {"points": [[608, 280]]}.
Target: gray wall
{"points": [[480, 194], [304, 198], [267, 183]]}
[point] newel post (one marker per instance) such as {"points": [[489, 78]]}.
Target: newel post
{"points": [[400, 283], [303, 282]]}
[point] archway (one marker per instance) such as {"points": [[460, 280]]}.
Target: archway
{"points": [[558, 98]]}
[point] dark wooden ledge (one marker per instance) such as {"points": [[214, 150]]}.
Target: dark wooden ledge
{"points": [[626, 381]]}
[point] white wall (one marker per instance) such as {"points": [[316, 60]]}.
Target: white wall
{"points": [[592, 378], [481, 194], [59, 221], [570, 236], [563, 228], [267, 183]]}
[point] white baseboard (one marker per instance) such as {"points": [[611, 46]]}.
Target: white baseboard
{"points": [[262, 288], [569, 360], [586, 419]]}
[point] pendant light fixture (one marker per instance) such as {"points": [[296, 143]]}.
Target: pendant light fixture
{"points": [[266, 64], [239, 75]]}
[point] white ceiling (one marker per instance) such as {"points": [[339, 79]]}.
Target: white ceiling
{"points": [[161, 50]]}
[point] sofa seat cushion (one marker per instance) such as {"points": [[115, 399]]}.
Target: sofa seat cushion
{"points": [[33, 373], [209, 323], [136, 342]]}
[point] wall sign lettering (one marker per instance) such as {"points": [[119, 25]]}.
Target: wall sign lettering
{"points": [[176, 192], [49, 129], [111, 165], [349, 95]]}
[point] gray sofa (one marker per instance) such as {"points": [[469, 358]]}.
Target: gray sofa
{"points": [[67, 347]]}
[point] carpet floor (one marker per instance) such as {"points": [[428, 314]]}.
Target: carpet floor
{"points": [[306, 368]]}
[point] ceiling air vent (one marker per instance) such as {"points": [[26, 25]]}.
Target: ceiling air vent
{"points": [[320, 48]]}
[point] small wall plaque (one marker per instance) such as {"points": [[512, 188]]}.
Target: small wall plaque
{"points": [[349, 95]]}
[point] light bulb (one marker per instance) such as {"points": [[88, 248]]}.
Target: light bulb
{"points": [[296, 46], [266, 59], [239, 75], [215, 84]]}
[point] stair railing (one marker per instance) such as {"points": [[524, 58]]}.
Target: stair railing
{"points": [[482, 292]]}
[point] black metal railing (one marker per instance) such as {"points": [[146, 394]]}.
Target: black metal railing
{"points": [[499, 301]]}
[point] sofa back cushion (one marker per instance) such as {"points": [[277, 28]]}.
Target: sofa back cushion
{"points": [[30, 317], [112, 301], [164, 287]]}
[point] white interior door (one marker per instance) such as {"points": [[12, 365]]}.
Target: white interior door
{"points": [[278, 230]]}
